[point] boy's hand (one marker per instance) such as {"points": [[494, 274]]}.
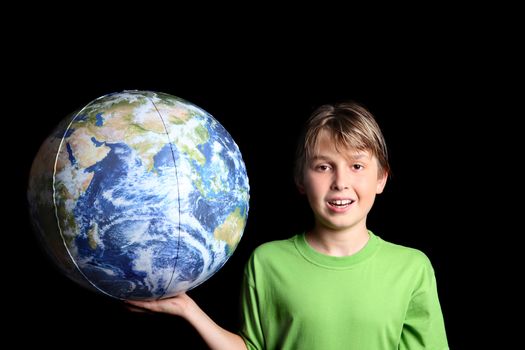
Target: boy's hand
{"points": [[177, 305]]}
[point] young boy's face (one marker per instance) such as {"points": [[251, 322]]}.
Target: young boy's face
{"points": [[341, 185]]}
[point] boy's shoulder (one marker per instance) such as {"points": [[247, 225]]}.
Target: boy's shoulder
{"points": [[400, 253], [272, 247], [275, 250]]}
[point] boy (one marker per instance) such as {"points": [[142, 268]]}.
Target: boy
{"points": [[337, 286]]}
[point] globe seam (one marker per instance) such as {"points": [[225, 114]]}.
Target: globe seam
{"points": [[178, 199], [55, 199]]}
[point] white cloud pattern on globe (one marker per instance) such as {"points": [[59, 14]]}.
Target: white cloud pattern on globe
{"points": [[139, 195]]}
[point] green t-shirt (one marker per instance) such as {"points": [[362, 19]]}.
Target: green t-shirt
{"points": [[382, 297]]}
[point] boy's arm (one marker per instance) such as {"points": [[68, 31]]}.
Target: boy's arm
{"points": [[216, 337], [423, 326]]}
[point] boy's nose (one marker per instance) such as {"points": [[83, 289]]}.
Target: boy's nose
{"points": [[337, 186], [340, 182]]}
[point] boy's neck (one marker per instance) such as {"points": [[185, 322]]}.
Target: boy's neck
{"points": [[337, 243]]}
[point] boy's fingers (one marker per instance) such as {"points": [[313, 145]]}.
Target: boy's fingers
{"points": [[134, 308], [139, 306]]}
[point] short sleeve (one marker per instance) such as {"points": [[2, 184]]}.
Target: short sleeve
{"points": [[423, 326], [251, 330]]}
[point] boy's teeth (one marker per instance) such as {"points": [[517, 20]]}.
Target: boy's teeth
{"points": [[341, 202]]}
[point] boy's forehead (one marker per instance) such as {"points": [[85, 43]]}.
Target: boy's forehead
{"points": [[345, 152]]}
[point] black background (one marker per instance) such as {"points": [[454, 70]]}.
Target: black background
{"points": [[425, 102]]}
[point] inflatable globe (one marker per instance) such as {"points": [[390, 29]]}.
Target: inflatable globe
{"points": [[139, 195]]}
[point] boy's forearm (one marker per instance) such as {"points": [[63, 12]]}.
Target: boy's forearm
{"points": [[216, 337]]}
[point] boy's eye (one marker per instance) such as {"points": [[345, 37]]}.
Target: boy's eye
{"points": [[357, 166], [323, 167]]}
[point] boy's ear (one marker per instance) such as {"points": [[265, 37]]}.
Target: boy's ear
{"points": [[300, 188], [381, 182]]}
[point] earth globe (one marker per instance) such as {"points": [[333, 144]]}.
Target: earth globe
{"points": [[139, 195]]}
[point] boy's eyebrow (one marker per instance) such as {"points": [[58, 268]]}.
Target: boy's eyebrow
{"points": [[357, 156], [353, 156], [319, 157]]}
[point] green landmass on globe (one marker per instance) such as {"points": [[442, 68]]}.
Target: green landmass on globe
{"points": [[139, 195]]}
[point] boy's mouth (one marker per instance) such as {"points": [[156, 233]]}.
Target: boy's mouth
{"points": [[340, 203]]}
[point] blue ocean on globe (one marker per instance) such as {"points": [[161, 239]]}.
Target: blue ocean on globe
{"points": [[139, 195]]}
